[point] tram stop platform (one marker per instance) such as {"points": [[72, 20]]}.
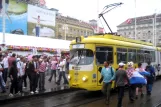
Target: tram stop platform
{"points": [[50, 88]]}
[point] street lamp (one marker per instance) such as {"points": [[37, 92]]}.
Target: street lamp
{"points": [[4, 20], [135, 20], [65, 28]]}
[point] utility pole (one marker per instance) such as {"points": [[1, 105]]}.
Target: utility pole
{"points": [[97, 15], [155, 31], [4, 19], [135, 21]]}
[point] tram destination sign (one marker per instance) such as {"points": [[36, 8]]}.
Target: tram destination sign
{"points": [[78, 46]]}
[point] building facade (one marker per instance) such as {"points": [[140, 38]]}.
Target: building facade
{"points": [[95, 26], [146, 26], [69, 28]]}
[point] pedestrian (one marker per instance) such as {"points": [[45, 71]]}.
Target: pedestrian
{"points": [[28, 70], [108, 76], [132, 87], [42, 70], [67, 64], [2, 83], [32, 68], [11, 59], [53, 69], [140, 86], [36, 66], [20, 67], [62, 71], [25, 75], [14, 79], [5, 65], [121, 77], [150, 79], [158, 68], [137, 79]]}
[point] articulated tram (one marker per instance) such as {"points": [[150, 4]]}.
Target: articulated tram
{"points": [[88, 55]]}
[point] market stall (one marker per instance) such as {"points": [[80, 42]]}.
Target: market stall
{"points": [[24, 44]]}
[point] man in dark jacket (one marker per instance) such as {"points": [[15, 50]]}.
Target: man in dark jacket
{"points": [[32, 71], [121, 76], [150, 79]]}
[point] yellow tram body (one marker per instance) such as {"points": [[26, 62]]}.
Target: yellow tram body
{"points": [[88, 54]]}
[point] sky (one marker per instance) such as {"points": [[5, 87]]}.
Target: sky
{"points": [[88, 9]]}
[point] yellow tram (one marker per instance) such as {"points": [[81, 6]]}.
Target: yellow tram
{"points": [[88, 54]]}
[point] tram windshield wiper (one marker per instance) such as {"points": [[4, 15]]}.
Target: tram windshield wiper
{"points": [[79, 58]]}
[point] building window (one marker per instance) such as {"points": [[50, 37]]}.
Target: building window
{"points": [[59, 37], [70, 29], [59, 26]]}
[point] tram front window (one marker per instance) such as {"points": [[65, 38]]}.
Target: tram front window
{"points": [[81, 57]]}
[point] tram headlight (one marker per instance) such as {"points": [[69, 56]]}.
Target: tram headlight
{"points": [[84, 79], [69, 77]]}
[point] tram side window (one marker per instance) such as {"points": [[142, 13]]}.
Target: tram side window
{"points": [[153, 56], [121, 55], [104, 54], [140, 56], [132, 55], [148, 57]]}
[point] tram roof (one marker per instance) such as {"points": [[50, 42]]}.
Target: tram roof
{"points": [[115, 40]]}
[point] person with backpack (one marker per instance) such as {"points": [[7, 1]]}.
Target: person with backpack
{"points": [[151, 78], [108, 75]]}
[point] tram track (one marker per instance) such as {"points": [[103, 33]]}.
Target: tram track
{"points": [[25, 102]]}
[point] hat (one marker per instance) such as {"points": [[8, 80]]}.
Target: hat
{"points": [[130, 63], [121, 64], [18, 59]]}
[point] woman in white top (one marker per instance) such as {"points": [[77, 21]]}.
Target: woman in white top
{"points": [[62, 71]]}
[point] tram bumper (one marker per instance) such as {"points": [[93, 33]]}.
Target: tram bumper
{"points": [[88, 87]]}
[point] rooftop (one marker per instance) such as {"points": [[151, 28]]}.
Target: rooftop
{"points": [[141, 20], [73, 21]]}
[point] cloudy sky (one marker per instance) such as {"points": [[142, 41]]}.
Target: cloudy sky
{"points": [[87, 9]]}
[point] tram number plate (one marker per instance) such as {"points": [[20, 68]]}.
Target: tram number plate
{"points": [[76, 73]]}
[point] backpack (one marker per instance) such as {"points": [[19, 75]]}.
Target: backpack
{"points": [[148, 69], [112, 72], [111, 75]]}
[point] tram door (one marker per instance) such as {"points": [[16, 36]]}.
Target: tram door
{"points": [[103, 53]]}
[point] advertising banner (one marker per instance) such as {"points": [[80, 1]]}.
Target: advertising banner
{"points": [[41, 22], [16, 17]]}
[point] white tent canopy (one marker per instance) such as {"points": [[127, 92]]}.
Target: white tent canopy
{"points": [[24, 40]]}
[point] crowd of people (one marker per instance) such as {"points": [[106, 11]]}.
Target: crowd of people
{"points": [[136, 79], [16, 69]]}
